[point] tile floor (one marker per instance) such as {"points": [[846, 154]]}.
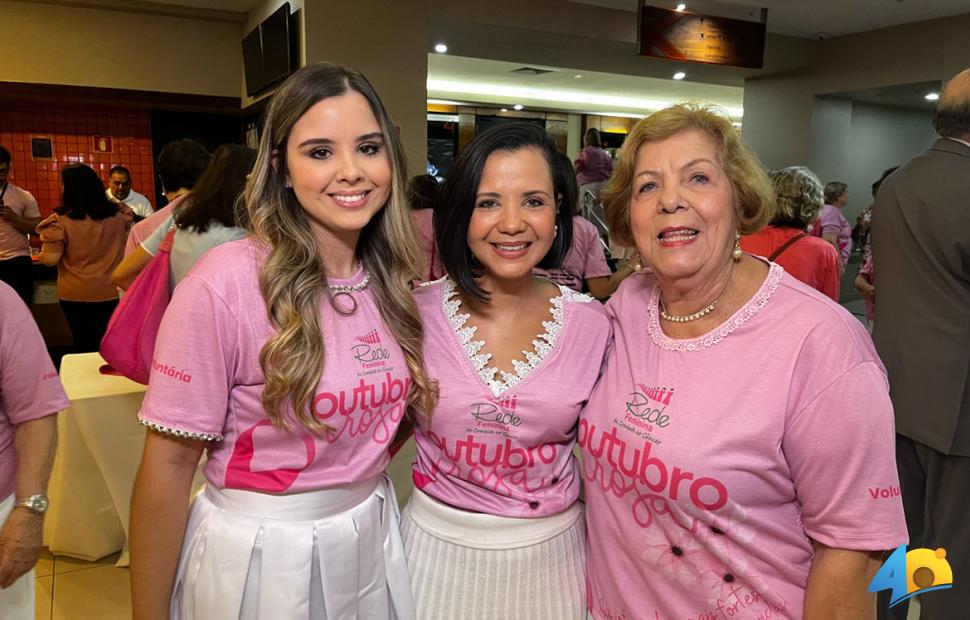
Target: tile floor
{"points": [[69, 589]]}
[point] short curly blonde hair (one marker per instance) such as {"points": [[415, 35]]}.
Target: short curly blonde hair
{"points": [[754, 196], [799, 196]]}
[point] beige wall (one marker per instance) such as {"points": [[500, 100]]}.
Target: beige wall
{"points": [[387, 41], [51, 44], [778, 108]]}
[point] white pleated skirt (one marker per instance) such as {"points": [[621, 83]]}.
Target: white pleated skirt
{"points": [[334, 554], [473, 566], [17, 601]]}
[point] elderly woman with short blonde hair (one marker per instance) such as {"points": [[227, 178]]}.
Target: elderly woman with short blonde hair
{"points": [[815, 262], [738, 448]]}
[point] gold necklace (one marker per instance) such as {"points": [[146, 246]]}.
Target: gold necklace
{"points": [[686, 318]]}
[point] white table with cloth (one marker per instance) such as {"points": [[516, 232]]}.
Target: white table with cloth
{"points": [[99, 446]]}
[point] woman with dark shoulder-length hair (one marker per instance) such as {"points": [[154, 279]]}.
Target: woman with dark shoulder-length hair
{"points": [[206, 219], [85, 238], [494, 528], [738, 449], [290, 357]]}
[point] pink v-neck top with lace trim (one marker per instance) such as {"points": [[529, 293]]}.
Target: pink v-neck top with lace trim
{"points": [[711, 463], [502, 443], [207, 384]]}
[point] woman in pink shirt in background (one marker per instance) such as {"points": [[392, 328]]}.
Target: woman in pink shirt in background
{"points": [[422, 197], [738, 451], [290, 358], [494, 528], [593, 164], [832, 225], [585, 264]]}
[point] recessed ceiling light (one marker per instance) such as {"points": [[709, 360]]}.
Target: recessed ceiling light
{"points": [[577, 76], [932, 96], [505, 109], [518, 106], [680, 75], [441, 48], [681, 7]]}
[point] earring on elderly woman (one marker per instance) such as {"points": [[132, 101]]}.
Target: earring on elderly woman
{"points": [[736, 254]]}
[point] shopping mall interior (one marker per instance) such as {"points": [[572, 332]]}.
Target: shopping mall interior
{"points": [[844, 87]]}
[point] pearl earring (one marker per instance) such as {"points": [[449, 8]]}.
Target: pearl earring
{"points": [[736, 254]]}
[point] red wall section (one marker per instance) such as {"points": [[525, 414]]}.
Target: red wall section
{"points": [[72, 133]]}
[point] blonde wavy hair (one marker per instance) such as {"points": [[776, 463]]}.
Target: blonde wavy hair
{"points": [[754, 196], [293, 281], [799, 196]]}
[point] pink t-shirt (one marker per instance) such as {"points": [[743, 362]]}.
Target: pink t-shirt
{"points": [[13, 243], [586, 258], [424, 228], [831, 220], [710, 463], [142, 230], [501, 443], [29, 386], [593, 165], [206, 382]]}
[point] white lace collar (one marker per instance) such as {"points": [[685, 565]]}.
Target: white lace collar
{"points": [[500, 381], [711, 338]]}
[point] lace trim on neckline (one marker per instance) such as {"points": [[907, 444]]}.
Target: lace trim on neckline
{"points": [[500, 381], [746, 312]]}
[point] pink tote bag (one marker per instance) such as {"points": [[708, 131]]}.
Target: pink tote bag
{"points": [[129, 341]]}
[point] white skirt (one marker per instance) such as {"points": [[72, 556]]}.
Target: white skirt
{"points": [[334, 554], [17, 602], [473, 566]]}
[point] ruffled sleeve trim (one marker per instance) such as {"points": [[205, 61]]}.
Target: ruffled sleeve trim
{"points": [[177, 432]]}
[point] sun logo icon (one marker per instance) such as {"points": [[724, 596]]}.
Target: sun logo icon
{"points": [[916, 572]]}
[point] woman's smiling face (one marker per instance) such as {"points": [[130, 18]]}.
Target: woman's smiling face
{"points": [[682, 207], [337, 165], [514, 222]]}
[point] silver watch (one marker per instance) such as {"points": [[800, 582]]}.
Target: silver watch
{"points": [[36, 503]]}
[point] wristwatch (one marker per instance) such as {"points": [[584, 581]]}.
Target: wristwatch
{"points": [[36, 503]]}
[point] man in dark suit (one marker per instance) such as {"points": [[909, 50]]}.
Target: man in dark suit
{"points": [[921, 256]]}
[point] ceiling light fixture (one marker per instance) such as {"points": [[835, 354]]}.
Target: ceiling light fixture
{"points": [[505, 109], [576, 99], [577, 76], [518, 106], [441, 48], [680, 75], [932, 96], [681, 7]]}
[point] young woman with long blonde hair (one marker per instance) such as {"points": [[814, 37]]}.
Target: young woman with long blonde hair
{"points": [[290, 358]]}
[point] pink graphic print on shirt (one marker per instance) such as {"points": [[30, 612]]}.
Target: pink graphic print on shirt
{"points": [[693, 531], [374, 407]]}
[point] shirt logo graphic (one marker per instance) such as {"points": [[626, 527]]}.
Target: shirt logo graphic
{"points": [[370, 353], [371, 337], [916, 572], [647, 407]]}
